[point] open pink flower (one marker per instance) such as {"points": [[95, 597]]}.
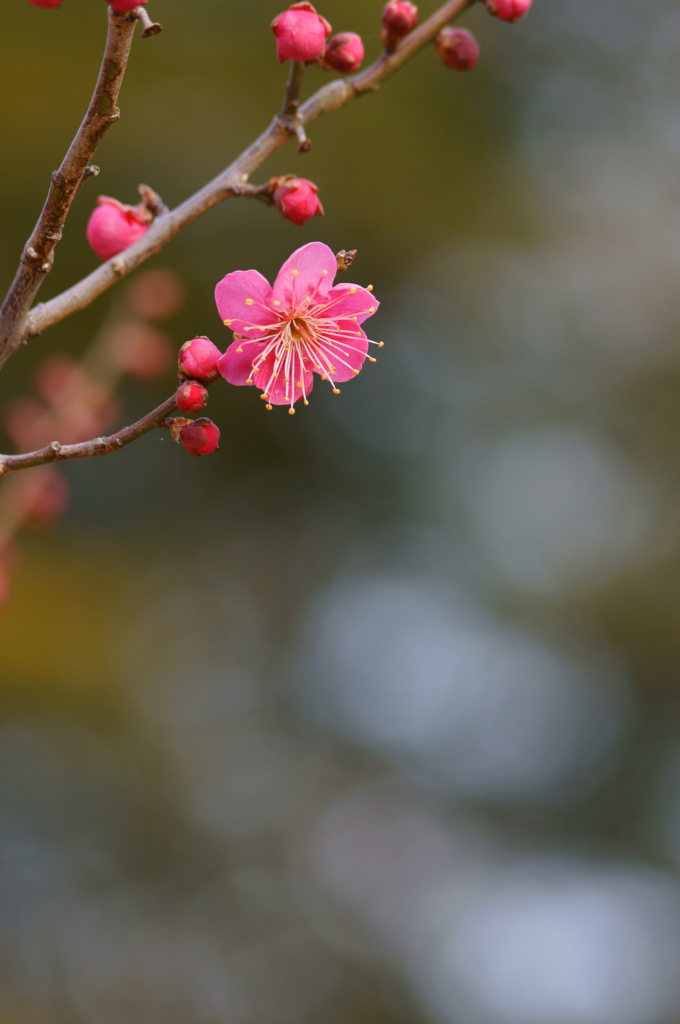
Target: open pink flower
{"points": [[301, 326]]}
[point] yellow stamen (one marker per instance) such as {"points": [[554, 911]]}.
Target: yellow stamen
{"points": [[268, 408], [380, 344], [306, 402], [324, 272], [355, 372], [291, 412], [369, 288], [239, 349], [336, 391], [227, 322], [352, 291], [249, 302], [276, 302], [372, 359], [295, 272]]}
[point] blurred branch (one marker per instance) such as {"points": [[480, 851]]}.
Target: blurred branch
{"points": [[38, 255], [233, 180], [56, 452]]}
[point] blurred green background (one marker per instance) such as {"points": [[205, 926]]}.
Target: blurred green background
{"points": [[373, 715]]}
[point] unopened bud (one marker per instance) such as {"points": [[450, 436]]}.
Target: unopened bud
{"points": [[200, 437], [198, 360], [343, 53], [457, 48], [300, 33], [121, 6], [191, 396], [297, 200], [508, 10], [399, 17], [114, 226]]}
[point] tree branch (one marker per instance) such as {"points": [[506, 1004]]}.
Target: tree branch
{"points": [[231, 181], [56, 452], [38, 255]]}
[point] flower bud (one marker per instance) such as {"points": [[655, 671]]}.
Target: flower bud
{"points": [[200, 437], [114, 226], [508, 10], [198, 360], [457, 48], [399, 17], [121, 6], [297, 200], [300, 33], [191, 396], [45, 3], [343, 53]]}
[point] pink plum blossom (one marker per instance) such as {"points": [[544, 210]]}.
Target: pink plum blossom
{"points": [[297, 200], [301, 326], [343, 53], [114, 226], [508, 10], [300, 33]]}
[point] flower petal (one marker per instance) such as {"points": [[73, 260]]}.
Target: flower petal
{"points": [[309, 271], [236, 365], [244, 299], [278, 390], [345, 347], [351, 300]]}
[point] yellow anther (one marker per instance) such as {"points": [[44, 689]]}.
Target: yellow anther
{"points": [[276, 302], [380, 344], [324, 272], [352, 291], [355, 372], [239, 349], [227, 322], [308, 299], [286, 379], [306, 402], [354, 318], [371, 359], [291, 412], [336, 391], [295, 273], [369, 288], [372, 309], [249, 302], [263, 397], [268, 408], [323, 376], [299, 384]]}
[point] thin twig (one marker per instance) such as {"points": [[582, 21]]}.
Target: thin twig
{"points": [[56, 452], [231, 181], [38, 256]]}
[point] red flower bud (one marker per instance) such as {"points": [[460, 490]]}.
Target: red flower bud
{"points": [[457, 48], [201, 437], [198, 360], [297, 200], [399, 17], [191, 396], [343, 53], [508, 10], [121, 6], [114, 226], [45, 3], [300, 33]]}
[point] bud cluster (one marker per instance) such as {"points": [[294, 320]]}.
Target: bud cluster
{"points": [[197, 366], [120, 6]]}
